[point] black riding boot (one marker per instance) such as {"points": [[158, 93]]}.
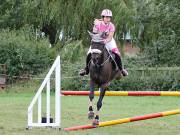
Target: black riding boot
{"points": [[85, 71], [119, 64]]}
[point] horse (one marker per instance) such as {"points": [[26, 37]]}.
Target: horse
{"points": [[102, 70]]}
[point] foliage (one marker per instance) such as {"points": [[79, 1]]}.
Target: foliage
{"points": [[72, 51], [142, 79], [154, 79], [154, 24], [157, 31], [22, 55], [139, 78], [74, 18]]}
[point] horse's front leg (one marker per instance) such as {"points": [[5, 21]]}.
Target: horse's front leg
{"points": [[91, 97], [99, 105]]}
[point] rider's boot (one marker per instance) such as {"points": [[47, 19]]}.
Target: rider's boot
{"points": [[119, 64], [85, 71]]}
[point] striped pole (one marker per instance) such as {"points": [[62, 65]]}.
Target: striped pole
{"points": [[124, 93], [126, 120]]}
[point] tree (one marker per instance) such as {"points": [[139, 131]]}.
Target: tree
{"points": [[154, 24]]}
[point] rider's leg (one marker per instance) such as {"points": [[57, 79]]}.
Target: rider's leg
{"points": [[119, 64], [113, 47], [85, 71]]}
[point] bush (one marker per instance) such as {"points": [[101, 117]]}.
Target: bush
{"points": [[140, 78], [73, 51], [23, 54], [142, 74], [144, 79]]}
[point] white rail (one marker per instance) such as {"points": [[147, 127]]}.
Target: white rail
{"points": [[37, 98]]}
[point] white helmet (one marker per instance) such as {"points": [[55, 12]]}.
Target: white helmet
{"points": [[106, 12]]}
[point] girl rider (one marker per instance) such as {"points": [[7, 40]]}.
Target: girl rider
{"points": [[105, 25]]}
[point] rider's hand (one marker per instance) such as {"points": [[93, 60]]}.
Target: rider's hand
{"points": [[97, 21], [104, 41], [105, 34]]}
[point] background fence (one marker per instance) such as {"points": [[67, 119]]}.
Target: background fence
{"points": [[145, 79]]}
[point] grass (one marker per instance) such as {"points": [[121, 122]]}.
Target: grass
{"points": [[14, 104]]}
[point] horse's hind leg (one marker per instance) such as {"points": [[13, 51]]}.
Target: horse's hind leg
{"points": [[99, 105], [91, 97]]}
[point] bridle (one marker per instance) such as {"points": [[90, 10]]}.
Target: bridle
{"points": [[97, 51]]}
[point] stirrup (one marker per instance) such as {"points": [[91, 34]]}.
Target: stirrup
{"points": [[82, 72], [124, 72]]}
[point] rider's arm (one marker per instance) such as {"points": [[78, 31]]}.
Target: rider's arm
{"points": [[96, 25], [110, 36], [95, 30]]}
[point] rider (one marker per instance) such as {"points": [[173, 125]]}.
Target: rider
{"points": [[105, 26]]}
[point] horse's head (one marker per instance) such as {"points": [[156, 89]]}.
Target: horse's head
{"points": [[97, 48]]}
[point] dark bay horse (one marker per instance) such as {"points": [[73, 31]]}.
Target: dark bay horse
{"points": [[102, 71]]}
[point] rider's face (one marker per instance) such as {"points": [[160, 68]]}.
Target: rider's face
{"points": [[106, 19]]}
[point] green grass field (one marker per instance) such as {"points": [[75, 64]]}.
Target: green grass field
{"points": [[13, 115]]}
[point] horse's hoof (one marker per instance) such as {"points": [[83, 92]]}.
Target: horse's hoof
{"points": [[95, 123], [124, 72], [91, 115]]}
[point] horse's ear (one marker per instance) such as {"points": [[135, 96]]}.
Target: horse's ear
{"points": [[91, 34]]}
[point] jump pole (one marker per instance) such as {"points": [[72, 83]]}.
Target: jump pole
{"points": [[126, 120], [124, 93]]}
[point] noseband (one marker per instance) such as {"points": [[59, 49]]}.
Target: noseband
{"points": [[97, 51]]}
